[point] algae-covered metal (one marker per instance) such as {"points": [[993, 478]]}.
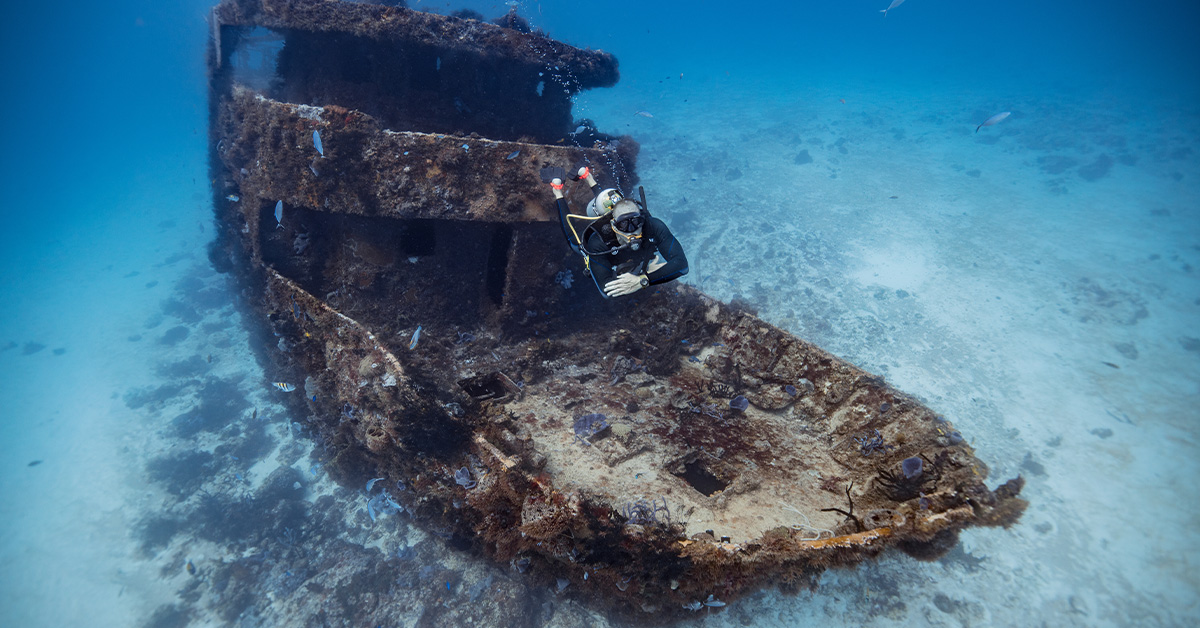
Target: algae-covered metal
{"points": [[659, 454]]}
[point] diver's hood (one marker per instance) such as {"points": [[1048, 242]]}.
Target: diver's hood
{"points": [[625, 209]]}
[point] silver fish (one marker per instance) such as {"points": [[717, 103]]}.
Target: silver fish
{"points": [[317, 143], [284, 386], [279, 215], [644, 114], [371, 483], [693, 606], [415, 338], [513, 155], [711, 601], [894, 4], [993, 120]]}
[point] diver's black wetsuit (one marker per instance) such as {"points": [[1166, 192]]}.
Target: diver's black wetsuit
{"points": [[656, 237]]}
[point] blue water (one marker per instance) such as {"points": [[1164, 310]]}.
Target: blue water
{"points": [[1037, 280]]}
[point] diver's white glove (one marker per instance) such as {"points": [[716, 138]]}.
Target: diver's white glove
{"points": [[626, 283], [585, 173]]}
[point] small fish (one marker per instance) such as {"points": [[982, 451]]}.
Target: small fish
{"points": [[317, 143], [371, 508], [894, 4], [239, 476], [233, 198], [513, 155], [314, 398], [371, 483], [255, 415], [1124, 418], [693, 606], [466, 147], [190, 568], [842, 100], [711, 601], [295, 307], [644, 114], [993, 120], [313, 470], [412, 344], [279, 214], [34, 463], [210, 358], [284, 386]]}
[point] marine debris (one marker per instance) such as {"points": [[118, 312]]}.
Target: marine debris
{"points": [[428, 214]]}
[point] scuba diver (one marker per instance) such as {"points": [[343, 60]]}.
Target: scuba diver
{"points": [[624, 249]]}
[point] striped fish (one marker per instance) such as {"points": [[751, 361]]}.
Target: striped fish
{"points": [[284, 386], [416, 337]]}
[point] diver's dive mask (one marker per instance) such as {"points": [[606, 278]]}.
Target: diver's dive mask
{"points": [[629, 224]]}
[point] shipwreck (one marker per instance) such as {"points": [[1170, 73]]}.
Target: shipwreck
{"points": [[378, 200]]}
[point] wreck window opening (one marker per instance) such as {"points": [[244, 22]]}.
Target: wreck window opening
{"points": [[484, 387], [701, 479], [418, 238], [497, 263], [255, 56]]}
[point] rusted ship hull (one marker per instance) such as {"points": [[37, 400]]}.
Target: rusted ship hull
{"points": [[414, 287]]}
